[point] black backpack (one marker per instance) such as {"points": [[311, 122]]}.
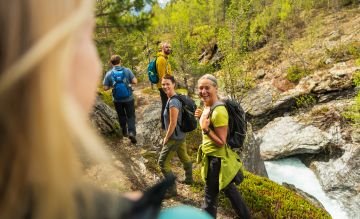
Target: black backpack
{"points": [[237, 122], [188, 120]]}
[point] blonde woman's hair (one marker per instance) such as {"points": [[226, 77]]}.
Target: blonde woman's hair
{"points": [[41, 126], [211, 78]]}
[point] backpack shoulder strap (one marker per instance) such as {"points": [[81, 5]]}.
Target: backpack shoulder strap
{"points": [[112, 75], [176, 96], [212, 108]]}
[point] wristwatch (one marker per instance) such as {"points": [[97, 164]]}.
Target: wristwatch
{"points": [[206, 132]]}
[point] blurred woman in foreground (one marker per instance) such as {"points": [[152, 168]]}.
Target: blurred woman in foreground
{"points": [[49, 71]]}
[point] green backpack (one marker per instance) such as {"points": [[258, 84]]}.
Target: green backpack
{"points": [[152, 73]]}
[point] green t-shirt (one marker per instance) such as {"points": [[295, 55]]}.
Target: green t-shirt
{"points": [[219, 118], [230, 161]]}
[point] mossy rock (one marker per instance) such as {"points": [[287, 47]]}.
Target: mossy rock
{"points": [[267, 199]]}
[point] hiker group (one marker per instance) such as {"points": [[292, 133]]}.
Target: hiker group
{"points": [[222, 123]]}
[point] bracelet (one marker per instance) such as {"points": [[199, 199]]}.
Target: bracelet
{"points": [[206, 132]]}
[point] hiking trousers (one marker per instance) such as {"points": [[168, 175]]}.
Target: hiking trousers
{"points": [[167, 153], [212, 191], [126, 115], [164, 99]]}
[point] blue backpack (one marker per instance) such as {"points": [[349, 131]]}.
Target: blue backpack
{"points": [[152, 73], [121, 88]]}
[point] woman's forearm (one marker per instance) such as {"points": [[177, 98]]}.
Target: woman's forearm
{"points": [[170, 130], [212, 134]]}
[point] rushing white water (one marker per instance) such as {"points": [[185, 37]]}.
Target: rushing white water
{"points": [[293, 171]]}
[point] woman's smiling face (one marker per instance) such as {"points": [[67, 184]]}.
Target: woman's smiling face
{"points": [[207, 90], [168, 86]]}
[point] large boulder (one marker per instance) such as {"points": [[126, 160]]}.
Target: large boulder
{"points": [[285, 136], [250, 154], [340, 178], [104, 119], [149, 128]]}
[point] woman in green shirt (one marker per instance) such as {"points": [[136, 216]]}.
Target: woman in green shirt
{"points": [[220, 165]]}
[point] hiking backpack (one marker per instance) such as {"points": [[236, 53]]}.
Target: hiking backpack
{"points": [[121, 88], [237, 123], [188, 120], [152, 73]]}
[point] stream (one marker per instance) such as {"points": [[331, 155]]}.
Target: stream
{"points": [[293, 171]]}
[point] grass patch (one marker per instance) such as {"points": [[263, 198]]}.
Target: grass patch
{"points": [[150, 91], [356, 78], [345, 52], [357, 62], [352, 113], [305, 101], [106, 96], [320, 111], [151, 163], [295, 73], [181, 91], [267, 199]]}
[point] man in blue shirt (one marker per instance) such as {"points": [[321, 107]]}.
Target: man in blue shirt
{"points": [[120, 79]]}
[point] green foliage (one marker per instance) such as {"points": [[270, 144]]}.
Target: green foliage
{"points": [[345, 52], [106, 96], [149, 90], [356, 78], [267, 199], [353, 112], [295, 73], [151, 163], [305, 101], [285, 10], [115, 21], [357, 62]]}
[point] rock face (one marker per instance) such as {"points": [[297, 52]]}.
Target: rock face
{"points": [[322, 126], [104, 118], [284, 137], [266, 102], [340, 178], [250, 155], [149, 129]]}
